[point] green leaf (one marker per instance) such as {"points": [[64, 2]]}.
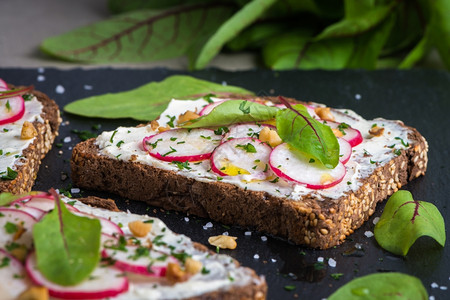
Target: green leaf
{"points": [[120, 6], [297, 128], [417, 53], [234, 111], [256, 36], [231, 28], [355, 25], [7, 198], [355, 8], [404, 220], [440, 28], [149, 100], [382, 286], [144, 35], [67, 246]]}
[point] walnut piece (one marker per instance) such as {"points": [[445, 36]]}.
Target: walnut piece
{"points": [[376, 131], [223, 241], [28, 131], [139, 228], [324, 113]]}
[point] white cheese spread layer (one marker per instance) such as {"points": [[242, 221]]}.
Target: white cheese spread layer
{"points": [[126, 144], [221, 271], [11, 145]]}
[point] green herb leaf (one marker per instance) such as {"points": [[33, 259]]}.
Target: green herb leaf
{"points": [[67, 246], [404, 220], [249, 148], [307, 135], [149, 100], [233, 111], [382, 286], [10, 174], [143, 35], [440, 28], [7, 198]]}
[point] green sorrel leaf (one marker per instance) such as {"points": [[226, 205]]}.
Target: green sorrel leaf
{"points": [[67, 246], [382, 286], [297, 128], [256, 36], [149, 100], [7, 198], [144, 35], [440, 28], [120, 6], [230, 29], [404, 220], [417, 53], [234, 111]]}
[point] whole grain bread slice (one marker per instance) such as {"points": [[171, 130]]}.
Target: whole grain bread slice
{"points": [[27, 166], [319, 224]]}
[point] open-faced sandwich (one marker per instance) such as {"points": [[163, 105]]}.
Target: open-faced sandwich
{"points": [[303, 171], [75, 249], [29, 122]]}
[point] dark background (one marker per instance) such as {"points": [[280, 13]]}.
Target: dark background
{"points": [[421, 98]]}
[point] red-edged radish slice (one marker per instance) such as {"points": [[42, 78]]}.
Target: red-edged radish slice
{"points": [[104, 282], [345, 150], [35, 212], [3, 85], [46, 204], [208, 108], [350, 134], [182, 144], [244, 131], [152, 263], [16, 225], [293, 167], [11, 109], [13, 282], [242, 156], [27, 197], [108, 227]]}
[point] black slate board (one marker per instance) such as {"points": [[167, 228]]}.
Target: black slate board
{"points": [[420, 98]]}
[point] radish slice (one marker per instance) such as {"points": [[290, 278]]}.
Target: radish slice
{"points": [[244, 131], [293, 167], [242, 156], [350, 134], [132, 260], [46, 204], [12, 275], [208, 108], [3, 85], [11, 222], [345, 150], [35, 212], [108, 227], [104, 282], [11, 109], [182, 144]]}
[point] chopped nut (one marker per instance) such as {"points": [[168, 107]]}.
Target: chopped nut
{"points": [[192, 266], [139, 228], [376, 131], [270, 136], [20, 253], [154, 125], [175, 274], [223, 241], [28, 131], [337, 132], [162, 129], [187, 116], [34, 293], [20, 230], [324, 113]]}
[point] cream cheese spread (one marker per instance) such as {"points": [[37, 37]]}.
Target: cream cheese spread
{"points": [[222, 273], [126, 144], [11, 145]]}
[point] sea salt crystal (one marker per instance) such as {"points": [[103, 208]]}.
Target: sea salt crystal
{"points": [[273, 260], [67, 139], [443, 287], [375, 220], [358, 246], [186, 219], [74, 190], [208, 225], [264, 238], [40, 78], [320, 259], [434, 285], [368, 234], [225, 233], [224, 83], [248, 233], [87, 87], [60, 89], [431, 298], [332, 263], [41, 70], [256, 256], [357, 96]]}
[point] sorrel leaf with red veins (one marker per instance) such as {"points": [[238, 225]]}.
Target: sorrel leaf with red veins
{"points": [[382, 286], [232, 112], [16, 92], [404, 220], [67, 246], [149, 100], [143, 35], [302, 132]]}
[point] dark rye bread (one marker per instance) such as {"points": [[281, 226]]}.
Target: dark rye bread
{"points": [[46, 132], [318, 224], [257, 290]]}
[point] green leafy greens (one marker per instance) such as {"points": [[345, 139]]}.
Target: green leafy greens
{"points": [[404, 220], [382, 286], [149, 100], [67, 246]]}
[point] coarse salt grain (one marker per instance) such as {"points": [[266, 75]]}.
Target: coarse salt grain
{"points": [[67, 139], [431, 298], [320, 259], [225, 233], [88, 87], [60, 89], [375, 220], [443, 287], [74, 190], [247, 233], [434, 285], [273, 260], [224, 83], [368, 234], [256, 256], [357, 96], [186, 219], [332, 263], [41, 70], [358, 246], [264, 238], [40, 78]]}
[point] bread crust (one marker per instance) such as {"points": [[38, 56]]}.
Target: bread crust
{"points": [[310, 222], [46, 132]]}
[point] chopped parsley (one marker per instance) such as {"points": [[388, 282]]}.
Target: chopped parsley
{"points": [[242, 108], [111, 140], [10, 174], [402, 141], [312, 160], [173, 139], [221, 130], [208, 98], [205, 137], [182, 165], [205, 271], [343, 126], [153, 145], [27, 97], [11, 227], [172, 150], [289, 287], [8, 106], [397, 152], [85, 134], [249, 148], [5, 262], [275, 180], [170, 123], [119, 144], [336, 276]]}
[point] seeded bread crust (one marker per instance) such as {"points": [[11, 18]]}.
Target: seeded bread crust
{"points": [[257, 290], [310, 222], [28, 166]]}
